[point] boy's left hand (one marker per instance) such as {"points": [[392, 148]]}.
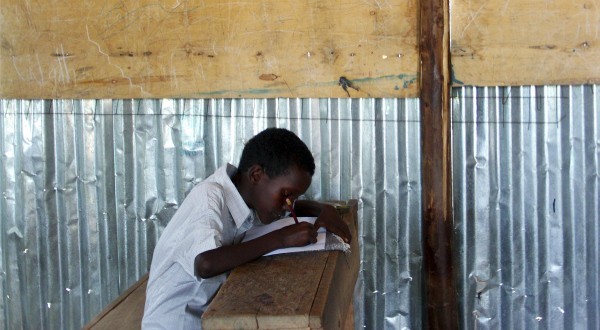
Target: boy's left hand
{"points": [[330, 219]]}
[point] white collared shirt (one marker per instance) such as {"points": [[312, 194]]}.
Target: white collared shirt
{"points": [[212, 215]]}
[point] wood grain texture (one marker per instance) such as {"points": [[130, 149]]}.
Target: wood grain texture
{"points": [[441, 307], [125, 312], [212, 48], [257, 297], [533, 42], [310, 290]]}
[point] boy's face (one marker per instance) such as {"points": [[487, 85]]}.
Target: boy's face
{"points": [[270, 194]]}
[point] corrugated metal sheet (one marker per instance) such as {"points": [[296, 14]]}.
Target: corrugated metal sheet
{"points": [[88, 185], [527, 209]]}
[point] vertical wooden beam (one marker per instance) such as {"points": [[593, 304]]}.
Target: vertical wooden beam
{"points": [[440, 288]]}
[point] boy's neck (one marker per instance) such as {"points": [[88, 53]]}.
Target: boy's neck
{"points": [[237, 179], [241, 184]]}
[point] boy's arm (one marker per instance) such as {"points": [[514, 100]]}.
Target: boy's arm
{"points": [[217, 261], [327, 216]]}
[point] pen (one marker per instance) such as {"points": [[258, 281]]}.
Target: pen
{"points": [[289, 203]]}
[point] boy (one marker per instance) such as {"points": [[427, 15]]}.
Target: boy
{"points": [[201, 243]]}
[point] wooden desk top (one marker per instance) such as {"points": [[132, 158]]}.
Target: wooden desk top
{"points": [[292, 291]]}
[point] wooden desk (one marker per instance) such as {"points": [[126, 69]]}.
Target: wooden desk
{"points": [[295, 291], [309, 290]]}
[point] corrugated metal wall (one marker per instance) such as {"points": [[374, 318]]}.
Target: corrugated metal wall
{"points": [[526, 204], [87, 187]]}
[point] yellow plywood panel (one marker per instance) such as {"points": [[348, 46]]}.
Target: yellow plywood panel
{"points": [[269, 48], [517, 42]]}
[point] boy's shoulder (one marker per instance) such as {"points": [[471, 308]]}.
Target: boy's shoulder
{"points": [[216, 187], [209, 189]]}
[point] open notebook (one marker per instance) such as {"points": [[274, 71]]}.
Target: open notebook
{"points": [[325, 240]]}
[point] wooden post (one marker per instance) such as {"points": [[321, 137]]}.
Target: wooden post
{"points": [[440, 291]]}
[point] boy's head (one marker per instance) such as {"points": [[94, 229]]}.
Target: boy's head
{"points": [[276, 150], [276, 165]]}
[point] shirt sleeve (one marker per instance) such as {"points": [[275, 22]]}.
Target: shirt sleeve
{"points": [[205, 227]]}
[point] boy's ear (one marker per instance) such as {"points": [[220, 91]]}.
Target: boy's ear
{"points": [[255, 173]]}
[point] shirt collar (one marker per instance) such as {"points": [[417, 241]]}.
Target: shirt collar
{"points": [[235, 203]]}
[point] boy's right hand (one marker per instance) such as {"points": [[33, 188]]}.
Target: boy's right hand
{"points": [[299, 234]]}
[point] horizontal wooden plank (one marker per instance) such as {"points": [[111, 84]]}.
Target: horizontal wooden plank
{"points": [[533, 42], [213, 48]]}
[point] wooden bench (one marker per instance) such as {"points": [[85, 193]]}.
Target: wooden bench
{"points": [[125, 312], [309, 290]]}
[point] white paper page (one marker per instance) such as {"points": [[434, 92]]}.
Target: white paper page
{"points": [[258, 231]]}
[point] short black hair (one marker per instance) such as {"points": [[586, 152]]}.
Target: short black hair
{"points": [[276, 150]]}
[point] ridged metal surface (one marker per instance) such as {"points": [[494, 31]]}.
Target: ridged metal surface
{"points": [[88, 185], [526, 164]]}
